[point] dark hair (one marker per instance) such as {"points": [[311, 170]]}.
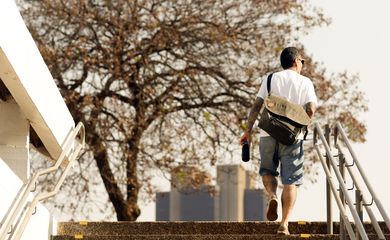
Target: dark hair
{"points": [[287, 57]]}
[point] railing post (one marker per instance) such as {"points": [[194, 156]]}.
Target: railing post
{"points": [[328, 190], [359, 209], [342, 230]]}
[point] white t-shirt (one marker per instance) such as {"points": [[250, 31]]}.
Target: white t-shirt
{"points": [[291, 86]]}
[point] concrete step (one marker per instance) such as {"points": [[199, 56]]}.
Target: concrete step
{"points": [[187, 228], [200, 237], [209, 237]]}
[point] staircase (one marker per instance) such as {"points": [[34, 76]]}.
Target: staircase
{"points": [[198, 230]]}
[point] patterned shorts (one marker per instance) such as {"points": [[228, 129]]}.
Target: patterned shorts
{"points": [[290, 159]]}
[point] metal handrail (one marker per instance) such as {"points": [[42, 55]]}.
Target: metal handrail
{"points": [[334, 190], [343, 187], [375, 199], [369, 187], [20, 207], [365, 202]]}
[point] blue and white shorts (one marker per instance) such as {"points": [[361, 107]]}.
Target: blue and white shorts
{"points": [[290, 159]]}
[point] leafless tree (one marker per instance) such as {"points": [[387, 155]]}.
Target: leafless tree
{"points": [[163, 83]]}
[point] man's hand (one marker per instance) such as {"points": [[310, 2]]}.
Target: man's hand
{"points": [[245, 137]]}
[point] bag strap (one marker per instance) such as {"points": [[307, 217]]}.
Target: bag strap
{"points": [[275, 157], [306, 132], [269, 84]]}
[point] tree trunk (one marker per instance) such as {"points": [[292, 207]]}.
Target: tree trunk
{"points": [[115, 195], [132, 185]]}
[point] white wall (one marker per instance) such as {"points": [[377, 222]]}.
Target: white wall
{"points": [[28, 79], [39, 225], [38, 104], [15, 167], [14, 139]]}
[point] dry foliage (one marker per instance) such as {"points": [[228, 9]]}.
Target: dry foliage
{"points": [[164, 83]]}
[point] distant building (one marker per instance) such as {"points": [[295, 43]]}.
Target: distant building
{"points": [[255, 204], [162, 206], [192, 205], [192, 198]]}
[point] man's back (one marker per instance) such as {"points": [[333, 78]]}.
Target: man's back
{"points": [[291, 86]]}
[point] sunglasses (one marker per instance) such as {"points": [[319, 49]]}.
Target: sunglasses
{"points": [[302, 61]]}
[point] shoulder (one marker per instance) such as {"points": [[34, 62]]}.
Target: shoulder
{"points": [[289, 75], [305, 78], [307, 81], [280, 74]]}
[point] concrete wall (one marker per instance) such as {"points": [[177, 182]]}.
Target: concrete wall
{"points": [[14, 140], [28, 79], [38, 103], [15, 168], [40, 225]]}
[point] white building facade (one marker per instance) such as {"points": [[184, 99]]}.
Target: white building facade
{"points": [[29, 99]]}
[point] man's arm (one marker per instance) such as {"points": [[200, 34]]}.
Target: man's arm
{"points": [[252, 119], [254, 113], [310, 108]]}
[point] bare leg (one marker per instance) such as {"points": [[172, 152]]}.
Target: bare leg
{"points": [[270, 184], [289, 196]]}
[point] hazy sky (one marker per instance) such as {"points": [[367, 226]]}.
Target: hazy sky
{"points": [[356, 41]]}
